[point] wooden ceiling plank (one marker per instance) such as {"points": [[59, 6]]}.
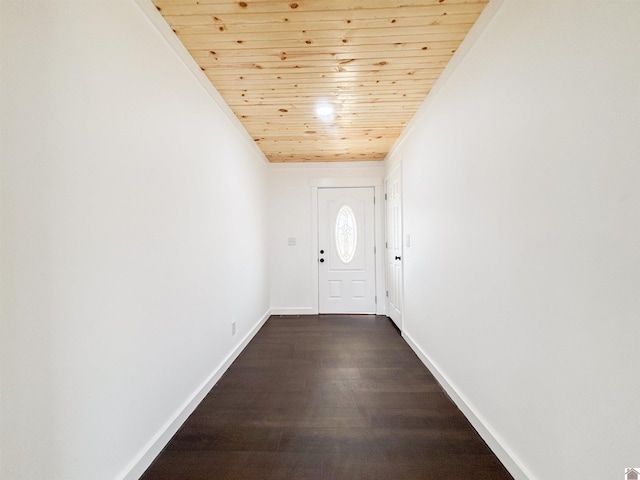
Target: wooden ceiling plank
{"points": [[367, 65], [268, 29], [330, 97], [218, 28], [265, 55], [321, 10], [298, 76], [456, 33], [391, 118], [319, 88], [318, 59], [435, 66], [334, 5], [325, 136], [339, 146], [295, 103], [337, 100], [314, 39], [370, 81]]}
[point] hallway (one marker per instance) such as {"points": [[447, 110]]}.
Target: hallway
{"points": [[327, 397]]}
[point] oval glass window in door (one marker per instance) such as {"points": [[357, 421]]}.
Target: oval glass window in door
{"points": [[346, 234]]}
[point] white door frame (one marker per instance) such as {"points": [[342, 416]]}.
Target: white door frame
{"points": [[394, 170], [377, 184]]}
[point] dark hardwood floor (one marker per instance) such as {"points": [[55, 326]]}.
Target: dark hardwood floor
{"points": [[327, 397]]}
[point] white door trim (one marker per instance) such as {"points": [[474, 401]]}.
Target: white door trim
{"points": [[396, 169], [378, 186]]}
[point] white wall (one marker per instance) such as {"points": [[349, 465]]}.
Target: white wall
{"points": [[293, 269], [126, 244], [522, 199]]}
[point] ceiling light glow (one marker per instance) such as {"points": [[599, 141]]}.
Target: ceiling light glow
{"points": [[324, 111]]}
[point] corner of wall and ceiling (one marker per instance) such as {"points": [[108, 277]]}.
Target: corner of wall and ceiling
{"points": [[149, 11], [478, 29]]}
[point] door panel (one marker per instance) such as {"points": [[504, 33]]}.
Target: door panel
{"points": [[346, 272], [394, 247]]}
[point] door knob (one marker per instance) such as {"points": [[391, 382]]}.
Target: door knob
{"points": [[322, 260], [321, 251], [398, 258]]}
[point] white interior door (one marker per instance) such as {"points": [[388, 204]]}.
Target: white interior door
{"points": [[393, 197], [346, 250]]}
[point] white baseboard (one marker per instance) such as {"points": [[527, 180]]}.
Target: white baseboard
{"points": [[146, 456], [294, 311], [508, 459]]}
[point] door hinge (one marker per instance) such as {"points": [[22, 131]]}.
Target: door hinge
{"points": [[376, 299], [374, 200], [386, 244], [374, 250], [385, 196], [387, 293]]}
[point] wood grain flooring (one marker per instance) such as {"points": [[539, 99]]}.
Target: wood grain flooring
{"points": [[327, 397]]}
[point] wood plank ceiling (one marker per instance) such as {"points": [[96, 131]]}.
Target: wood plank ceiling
{"points": [[322, 80]]}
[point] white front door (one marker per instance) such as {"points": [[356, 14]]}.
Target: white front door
{"points": [[393, 198], [346, 250]]}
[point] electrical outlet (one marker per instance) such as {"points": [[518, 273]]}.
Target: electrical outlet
{"points": [[233, 327]]}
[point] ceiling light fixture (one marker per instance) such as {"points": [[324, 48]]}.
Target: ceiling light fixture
{"points": [[324, 111]]}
